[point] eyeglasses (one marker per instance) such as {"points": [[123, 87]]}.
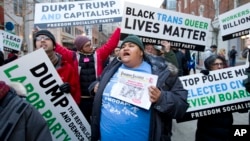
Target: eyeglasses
{"points": [[40, 38], [218, 64]]}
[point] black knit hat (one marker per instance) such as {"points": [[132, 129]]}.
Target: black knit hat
{"points": [[47, 33], [134, 39]]}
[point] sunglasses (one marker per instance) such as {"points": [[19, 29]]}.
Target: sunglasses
{"points": [[40, 38]]}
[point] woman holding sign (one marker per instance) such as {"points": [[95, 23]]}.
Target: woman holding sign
{"points": [[115, 119], [215, 127]]}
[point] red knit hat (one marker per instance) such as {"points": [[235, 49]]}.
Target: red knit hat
{"points": [[3, 89], [80, 41]]}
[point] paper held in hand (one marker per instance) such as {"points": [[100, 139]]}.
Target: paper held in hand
{"points": [[132, 87]]}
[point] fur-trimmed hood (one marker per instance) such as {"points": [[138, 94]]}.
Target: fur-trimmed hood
{"points": [[19, 88]]}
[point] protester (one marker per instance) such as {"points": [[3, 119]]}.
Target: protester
{"points": [[222, 53], [232, 56], [211, 51], [246, 48], [1, 58], [20, 121], [153, 49], [46, 40], [113, 119], [246, 82], [215, 127], [88, 64], [114, 54], [182, 61], [192, 63]]}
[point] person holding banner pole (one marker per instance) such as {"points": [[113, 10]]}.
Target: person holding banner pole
{"points": [[215, 127], [115, 119], [44, 39], [88, 64]]}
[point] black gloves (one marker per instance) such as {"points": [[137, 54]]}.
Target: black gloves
{"points": [[205, 72], [65, 87]]}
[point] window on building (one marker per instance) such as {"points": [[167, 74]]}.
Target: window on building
{"points": [[185, 4], [68, 30], [179, 6], [78, 32], [171, 5], [18, 5], [17, 29]]}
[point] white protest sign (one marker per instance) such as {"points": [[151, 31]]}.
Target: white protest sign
{"points": [[155, 24], [11, 41], [219, 92], [132, 87], [42, 81], [62, 14], [235, 23]]}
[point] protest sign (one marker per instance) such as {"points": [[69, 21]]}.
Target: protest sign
{"points": [[10, 41], [219, 92], [155, 24], [42, 82], [62, 14], [235, 23], [132, 87]]}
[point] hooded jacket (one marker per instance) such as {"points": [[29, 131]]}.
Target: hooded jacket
{"points": [[20, 121], [171, 104]]}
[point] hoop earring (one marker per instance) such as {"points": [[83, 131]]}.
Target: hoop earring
{"points": [[118, 59]]}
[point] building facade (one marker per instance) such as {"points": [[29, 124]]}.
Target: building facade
{"points": [[21, 14], [211, 9]]}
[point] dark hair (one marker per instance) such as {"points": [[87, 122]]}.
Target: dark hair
{"points": [[213, 46], [211, 59]]}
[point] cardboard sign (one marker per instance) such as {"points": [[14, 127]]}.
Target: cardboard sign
{"points": [[235, 23], [219, 92], [41, 80], [63, 14], [154, 24], [10, 41]]}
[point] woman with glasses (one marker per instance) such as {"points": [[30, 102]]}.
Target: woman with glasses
{"points": [[215, 127]]}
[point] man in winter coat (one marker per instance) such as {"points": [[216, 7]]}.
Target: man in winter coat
{"points": [[20, 121], [46, 40], [88, 64], [114, 119]]}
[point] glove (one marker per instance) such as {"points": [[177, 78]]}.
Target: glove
{"points": [[205, 72], [65, 87]]}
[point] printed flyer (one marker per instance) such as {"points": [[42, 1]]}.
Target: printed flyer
{"points": [[132, 87]]}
